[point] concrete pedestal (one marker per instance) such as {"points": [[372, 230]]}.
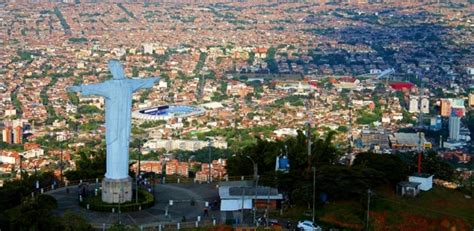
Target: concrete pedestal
{"points": [[115, 191]]}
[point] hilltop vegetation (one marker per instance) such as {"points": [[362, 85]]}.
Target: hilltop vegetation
{"points": [[341, 190]]}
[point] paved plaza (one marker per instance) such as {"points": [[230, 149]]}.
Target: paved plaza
{"points": [[181, 194]]}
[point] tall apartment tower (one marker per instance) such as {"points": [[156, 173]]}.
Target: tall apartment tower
{"points": [[413, 106], [454, 127], [471, 100], [445, 107], [18, 135], [7, 135], [425, 105]]}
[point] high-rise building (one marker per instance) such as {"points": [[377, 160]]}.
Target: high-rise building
{"points": [[454, 127], [413, 106], [445, 107], [18, 135], [7, 135], [425, 105], [471, 100], [457, 112]]}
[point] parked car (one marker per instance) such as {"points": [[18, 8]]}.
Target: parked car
{"points": [[308, 226], [271, 222]]}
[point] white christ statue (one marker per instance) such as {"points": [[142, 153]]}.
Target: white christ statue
{"points": [[118, 108]]}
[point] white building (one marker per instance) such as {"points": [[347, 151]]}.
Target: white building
{"points": [[33, 153], [81, 65], [425, 180], [282, 132], [9, 157], [148, 48], [413, 106], [119, 52], [163, 84], [98, 102], [425, 105], [188, 145], [470, 70], [237, 195], [10, 112]]}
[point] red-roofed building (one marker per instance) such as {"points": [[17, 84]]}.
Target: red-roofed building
{"points": [[18, 135], [347, 79], [458, 156], [260, 52], [149, 166], [30, 146], [400, 86], [7, 135], [10, 157], [218, 170]]}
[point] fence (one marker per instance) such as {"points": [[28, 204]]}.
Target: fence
{"points": [[172, 179], [164, 226]]}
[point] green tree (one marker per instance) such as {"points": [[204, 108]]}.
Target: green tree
{"points": [[342, 129], [91, 165], [34, 214], [342, 182], [264, 153], [324, 151], [88, 109], [431, 164], [392, 167], [251, 58], [73, 222], [73, 98], [121, 227], [270, 59]]}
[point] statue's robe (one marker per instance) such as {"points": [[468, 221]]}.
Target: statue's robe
{"points": [[118, 114]]}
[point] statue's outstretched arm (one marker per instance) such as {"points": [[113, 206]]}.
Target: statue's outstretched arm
{"points": [[136, 84], [93, 89]]}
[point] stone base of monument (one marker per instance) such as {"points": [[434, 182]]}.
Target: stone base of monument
{"points": [[115, 191]]}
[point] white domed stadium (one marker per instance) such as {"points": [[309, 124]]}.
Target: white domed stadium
{"points": [[167, 112]]}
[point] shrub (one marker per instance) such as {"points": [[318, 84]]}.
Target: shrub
{"points": [[145, 200]]}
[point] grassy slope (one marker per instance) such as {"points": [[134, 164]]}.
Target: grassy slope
{"points": [[437, 209]]}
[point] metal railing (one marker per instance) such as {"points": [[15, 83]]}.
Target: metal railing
{"points": [[163, 226], [166, 180]]}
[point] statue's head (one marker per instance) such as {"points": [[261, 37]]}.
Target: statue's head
{"points": [[116, 69]]}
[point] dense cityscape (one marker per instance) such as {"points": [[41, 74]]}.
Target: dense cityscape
{"points": [[282, 114]]}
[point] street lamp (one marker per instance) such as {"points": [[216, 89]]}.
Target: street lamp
{"points": [[308, 136], [314, 189], [21, 168], [309, 164], [189, 164], [36, 162], [209, 180], [255, 168], [61, 166], [37, 184], [255, 175], [61, 163], [140, 142]]}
